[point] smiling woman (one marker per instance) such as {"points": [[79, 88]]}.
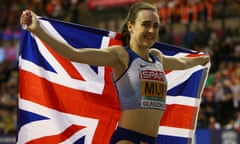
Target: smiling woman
{"points": [[137, 71]]}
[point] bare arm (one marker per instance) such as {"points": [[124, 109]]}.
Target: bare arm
{"points": [[180, 63], [100, 57]]}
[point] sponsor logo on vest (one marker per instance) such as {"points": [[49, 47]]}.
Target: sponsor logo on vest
{"points": [[153, 88], [153, 104], [152, 75]]}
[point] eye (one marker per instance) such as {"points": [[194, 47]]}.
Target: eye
{"points": [[146, 24], [156, 25]]}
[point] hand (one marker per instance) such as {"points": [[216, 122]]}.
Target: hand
{"points": [[206, 59], [29, 20]]}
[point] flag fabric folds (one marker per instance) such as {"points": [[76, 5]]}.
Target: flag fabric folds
{"points": [[66, 102]]}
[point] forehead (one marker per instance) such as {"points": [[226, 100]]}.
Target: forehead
{"points": [[148, 15]]}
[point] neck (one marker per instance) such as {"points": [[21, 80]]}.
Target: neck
{"points": [[141, 51]]}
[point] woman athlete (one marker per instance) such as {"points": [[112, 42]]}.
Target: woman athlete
{"points": [[138, 71]]}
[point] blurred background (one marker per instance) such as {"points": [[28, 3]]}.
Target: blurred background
{"points": [[211, 26]]}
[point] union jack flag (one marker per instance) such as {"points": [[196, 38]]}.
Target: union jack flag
{"points": [[65, 102]]}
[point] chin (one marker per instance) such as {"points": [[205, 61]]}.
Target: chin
{"points": [[148, 44]]}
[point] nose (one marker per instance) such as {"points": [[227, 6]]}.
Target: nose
{"points": [[151, 29]]}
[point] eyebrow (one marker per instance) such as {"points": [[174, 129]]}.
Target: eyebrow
{"points": [[148, 21]]}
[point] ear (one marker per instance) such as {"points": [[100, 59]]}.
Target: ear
{"points": [[129, 26]]}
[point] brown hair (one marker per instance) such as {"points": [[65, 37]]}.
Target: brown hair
{"points": [[131, 17]]}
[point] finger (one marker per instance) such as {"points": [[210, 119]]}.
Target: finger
{"points": [[26, 20], [26, 17], [27, 12]]}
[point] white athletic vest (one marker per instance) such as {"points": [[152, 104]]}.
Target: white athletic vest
{"points": [[143, 85]]}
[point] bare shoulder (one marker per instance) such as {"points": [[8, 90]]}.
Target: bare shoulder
{"points": [[115, 47], [120, 53], [156, 52], [118, 50]]}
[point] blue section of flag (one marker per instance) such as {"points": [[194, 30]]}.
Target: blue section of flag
{"points": [[172, 50], [25, 117], [165, 139], [79, 36], [80, 141], [29, 51], [190, 88]]}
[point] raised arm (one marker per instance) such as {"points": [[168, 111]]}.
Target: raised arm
{"points": [[100, 57], [180, 63]]}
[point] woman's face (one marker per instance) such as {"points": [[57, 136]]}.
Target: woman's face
{"points": [[144, 33]]}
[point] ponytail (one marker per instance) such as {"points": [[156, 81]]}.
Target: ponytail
{"points": [[125, 34]]}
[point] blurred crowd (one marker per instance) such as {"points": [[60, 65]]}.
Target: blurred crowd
{"points": [[220, 106], [185, 11]]}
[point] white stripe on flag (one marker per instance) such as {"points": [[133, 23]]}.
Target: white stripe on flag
{"points": [[51, 125], [88, 86], [177, 77], [183, 100], [178, 132], [105, 42]]}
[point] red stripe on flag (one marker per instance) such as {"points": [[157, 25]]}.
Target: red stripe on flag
{"points": [[52, 95], [54, 139], [179, 116], [167, 71], [64, 99], [68, 66], [115, 41], [195, 55]]}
